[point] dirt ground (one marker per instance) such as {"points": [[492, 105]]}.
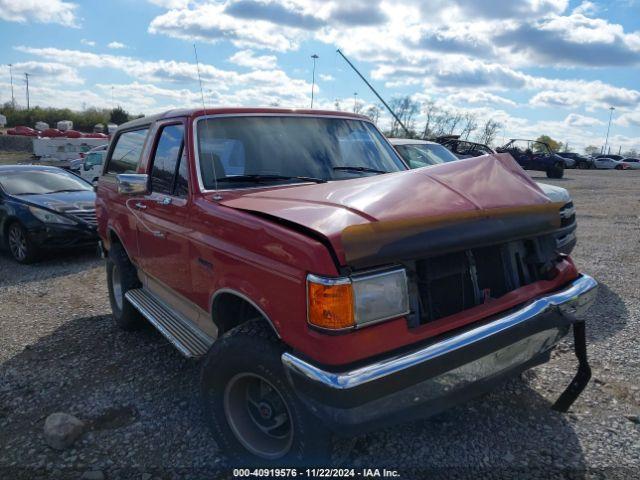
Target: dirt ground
{"points": [[59, 351], [12, 158]]}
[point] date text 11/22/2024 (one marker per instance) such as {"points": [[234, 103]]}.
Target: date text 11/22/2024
{"points": [[316, 472]]}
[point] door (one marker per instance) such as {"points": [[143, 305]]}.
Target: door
{"points": [[113, 209], [163, 216]]}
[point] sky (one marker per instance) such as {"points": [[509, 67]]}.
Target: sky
{"points": [[550, 67]]}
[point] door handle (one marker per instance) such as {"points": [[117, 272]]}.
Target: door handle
{"points": [[164, 201], [140, 206]]}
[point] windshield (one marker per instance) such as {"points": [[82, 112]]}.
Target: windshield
{"points": [[36, 182], [423, 154], [280, 148]]}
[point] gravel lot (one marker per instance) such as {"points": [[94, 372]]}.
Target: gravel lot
{"points": [[60, 352]]}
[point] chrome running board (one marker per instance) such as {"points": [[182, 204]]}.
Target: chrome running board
{"points": [[187, 338]]}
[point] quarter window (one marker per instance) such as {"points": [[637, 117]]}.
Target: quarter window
{"points": [[169, 173], [127, 152]]}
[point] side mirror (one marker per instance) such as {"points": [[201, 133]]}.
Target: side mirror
{"points": [[132, 183], [86, 166]]}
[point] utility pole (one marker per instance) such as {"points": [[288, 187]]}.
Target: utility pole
{"points": [[13, 99], [313, 77], [393, 114], [606, 141], [355, 101], [26, 76]]}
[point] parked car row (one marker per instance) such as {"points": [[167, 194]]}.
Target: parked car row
{"points": [[618, 162], [52, 133]]}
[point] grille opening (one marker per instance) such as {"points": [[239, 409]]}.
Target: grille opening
{"points": [[454, 282]]}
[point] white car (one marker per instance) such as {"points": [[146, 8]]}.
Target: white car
{"points": [[632, 163], [91, 167], [608, 163]]}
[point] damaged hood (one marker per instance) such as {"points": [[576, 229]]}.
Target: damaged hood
{"points": [[380, 219]]}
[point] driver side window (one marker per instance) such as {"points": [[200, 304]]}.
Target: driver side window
{"points": [[169, 173]]}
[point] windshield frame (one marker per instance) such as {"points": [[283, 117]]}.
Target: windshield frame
{"points": [[196, 150]]}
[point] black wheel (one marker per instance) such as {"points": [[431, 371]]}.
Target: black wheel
{"points": [[557, 171], [121, 277], [256, 417], [619, 167], [20, 245]]}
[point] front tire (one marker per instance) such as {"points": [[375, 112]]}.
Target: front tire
{"points": [[20, 245], [252, 410], [122, 277]]}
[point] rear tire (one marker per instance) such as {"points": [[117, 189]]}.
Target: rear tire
{"points": [[557, 171], [254, 413], [122, 277], [20, 245]]}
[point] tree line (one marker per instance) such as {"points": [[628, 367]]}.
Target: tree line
{"points": [[82, 120], [439, 121]]}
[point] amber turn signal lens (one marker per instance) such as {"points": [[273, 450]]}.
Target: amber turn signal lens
{"points": [[331, 306]]}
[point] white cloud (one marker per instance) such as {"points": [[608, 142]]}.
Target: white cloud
{"points": [[577, 120], [480, 97], [578, 93], [89, 43], [630, 119], [326, 77], [171, 4], [571, 40], [50, 73], [210, 23], [257, 87], [116, 45], [247, 58], [50, 11]]}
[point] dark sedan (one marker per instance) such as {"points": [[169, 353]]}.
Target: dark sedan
{"points": [[44, 208]]}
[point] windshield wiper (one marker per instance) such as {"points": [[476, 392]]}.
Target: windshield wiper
{"points": [[68, 190], [354, 168], [259, 178]]}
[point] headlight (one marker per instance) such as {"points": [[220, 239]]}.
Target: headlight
{"points": [[49, 217], [351, 302]]}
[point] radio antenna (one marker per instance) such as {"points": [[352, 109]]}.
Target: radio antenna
{"points": [[393, 114], [216, 196]]}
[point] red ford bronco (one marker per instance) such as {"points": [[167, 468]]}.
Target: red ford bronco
{"points": [[328, 287]]}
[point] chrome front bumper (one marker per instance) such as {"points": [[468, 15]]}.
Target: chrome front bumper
{"points": [[428, 380]]}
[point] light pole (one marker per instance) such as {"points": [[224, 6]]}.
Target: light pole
{"points": [[355, 101], [606, 140], [26, 76], [313, 77], [13, 100]]}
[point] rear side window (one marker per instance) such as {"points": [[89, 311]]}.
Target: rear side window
{"points": [[127, 152], [169, 171]]}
